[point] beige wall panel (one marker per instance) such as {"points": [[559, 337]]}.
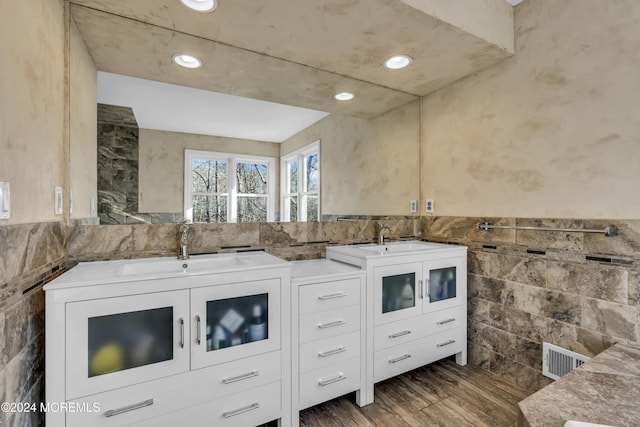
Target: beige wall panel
{"points": [[32, 102], [551, 132], [490, 20], [82, 127], [161, 164], [367, 167]]}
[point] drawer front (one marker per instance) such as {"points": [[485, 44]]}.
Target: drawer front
{"points": [[329, 382], [404, 331], [329, 295], [250, 408], [159, 397], [329, 323], [318, 354], [395, 360]]}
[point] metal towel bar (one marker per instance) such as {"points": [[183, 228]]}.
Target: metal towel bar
{"points": [[608, 231]]}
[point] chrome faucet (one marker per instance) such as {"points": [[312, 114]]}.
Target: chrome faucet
{"points": [[183, 247], [381, 227]]}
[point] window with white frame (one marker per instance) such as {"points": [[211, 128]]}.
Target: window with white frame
{"points": [[221, 187], [300, 184]]}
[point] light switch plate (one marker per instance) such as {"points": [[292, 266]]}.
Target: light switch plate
{"points": [[58, 201], [5, 200]]}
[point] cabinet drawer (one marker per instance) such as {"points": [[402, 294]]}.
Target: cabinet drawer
{"points": [[395, 360], [326, 383], [329, 323], [194, 387], [329, 295], [250, 408], [403, 331], [317, 354]]}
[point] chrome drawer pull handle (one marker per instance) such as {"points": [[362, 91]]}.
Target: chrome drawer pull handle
{"points": [[331, 324], [340, 377], [332, 352], [446, 343], [181, 332], [332, 296], [421, 289], [400, 359], [240, 377], [400, 334], [198, 329], [229, 414], [114, 412], [442, 322]]}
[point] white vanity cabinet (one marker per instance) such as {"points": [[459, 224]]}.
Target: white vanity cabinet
{"points": [[163, 342], [417, 300], [328, 332]]}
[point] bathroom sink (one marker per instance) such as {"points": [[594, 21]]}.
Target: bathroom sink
{"points": [[399, 247], [197, 264]]}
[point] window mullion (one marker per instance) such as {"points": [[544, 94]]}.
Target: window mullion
{"points": [[232, 206]]}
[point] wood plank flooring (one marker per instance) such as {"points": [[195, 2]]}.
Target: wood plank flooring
{"points": [[441, 394]]}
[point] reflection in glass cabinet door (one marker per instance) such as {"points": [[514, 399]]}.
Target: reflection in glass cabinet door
{"points": [[443, 283], [234, 321], [398, 292], [125, 340]]}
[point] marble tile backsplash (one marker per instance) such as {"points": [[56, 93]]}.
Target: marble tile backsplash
{"points": [[579, 291], [576, 290], [30, 255]]}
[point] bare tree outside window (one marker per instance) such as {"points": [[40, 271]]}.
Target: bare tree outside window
{"points": [[228, 189]]}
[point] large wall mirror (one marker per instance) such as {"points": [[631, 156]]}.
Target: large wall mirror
{"points": [[296, 60]]}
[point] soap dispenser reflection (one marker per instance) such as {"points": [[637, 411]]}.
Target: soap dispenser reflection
{"points": [[407, 295]]}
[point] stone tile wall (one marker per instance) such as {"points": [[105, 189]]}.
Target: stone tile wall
{"points": [[291, 241], [30, 255], [576, 290]]}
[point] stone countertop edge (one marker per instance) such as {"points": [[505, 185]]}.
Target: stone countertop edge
{"points": [[604, 390]]}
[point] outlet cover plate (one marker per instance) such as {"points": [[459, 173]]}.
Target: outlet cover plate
{"points": [[58, 201], [430, 206]]}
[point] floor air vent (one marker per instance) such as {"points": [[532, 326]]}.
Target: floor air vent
{"points": [[557, 361]]}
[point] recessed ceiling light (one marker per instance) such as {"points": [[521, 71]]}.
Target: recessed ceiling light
{"points": [[397, 62], [200, 5], [187, 61], [343, 96]]}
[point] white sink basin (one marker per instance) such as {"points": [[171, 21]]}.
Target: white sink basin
{"points": [[199, 264], [399, 247]]}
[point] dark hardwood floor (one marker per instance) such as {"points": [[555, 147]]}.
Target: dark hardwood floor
{"points": [[440, 394]]}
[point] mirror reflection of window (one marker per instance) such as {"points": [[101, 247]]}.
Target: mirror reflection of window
{"points": [[300, 184], [228, 188]]}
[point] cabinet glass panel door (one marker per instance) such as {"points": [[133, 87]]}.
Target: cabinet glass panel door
{"points": [[444, 284], [237, 321], [233, 321], [125, 340], [397, 292]]}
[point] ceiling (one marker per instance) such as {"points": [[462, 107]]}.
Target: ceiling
{"points": [[290, 52]]}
